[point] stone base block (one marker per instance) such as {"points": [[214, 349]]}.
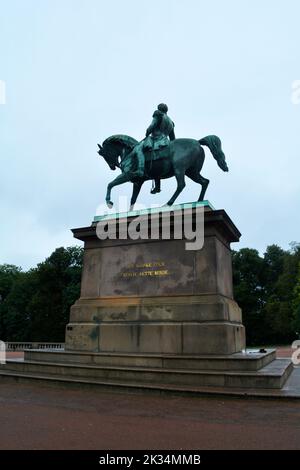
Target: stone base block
{"points": [[250, 360], [270, 377], [158, 338], [208, 324]]}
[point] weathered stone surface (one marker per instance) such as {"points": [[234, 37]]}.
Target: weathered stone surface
{"points": [[168, 308], [246, 361], [272, 376], [179, 331], [154, 296]]}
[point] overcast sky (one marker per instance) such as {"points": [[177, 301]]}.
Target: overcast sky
{"points": [[78, 71]]}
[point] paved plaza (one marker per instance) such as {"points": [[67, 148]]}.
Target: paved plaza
{"points": [[36, 417]]}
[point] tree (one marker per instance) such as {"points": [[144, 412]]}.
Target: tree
{"points": [[58, 287], [280, 312], [265, 290], [8, 276], [36, 303], [248, 277], [296, 305], [273, 266], [16, 316]]}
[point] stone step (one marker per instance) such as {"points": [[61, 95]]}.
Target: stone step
{"points": [[290, 390], [251, 360], [271, 376]]}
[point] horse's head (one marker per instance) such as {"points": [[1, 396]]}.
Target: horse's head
{"points": [[114, 147], [110, 155]]}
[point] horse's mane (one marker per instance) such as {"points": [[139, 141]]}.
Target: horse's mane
{"points": [[126, 140]]}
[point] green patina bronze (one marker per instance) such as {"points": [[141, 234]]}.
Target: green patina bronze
{"points": [[155, 210], [160, 155]]}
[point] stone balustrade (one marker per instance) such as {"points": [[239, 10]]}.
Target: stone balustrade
{"points": [[16, 346]]}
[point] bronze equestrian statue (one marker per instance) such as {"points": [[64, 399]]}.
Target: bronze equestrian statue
{"points": [[156, 157], [157, 137]]}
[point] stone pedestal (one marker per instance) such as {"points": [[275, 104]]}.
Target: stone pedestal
{"points": [[153, 295], [155, 317]]}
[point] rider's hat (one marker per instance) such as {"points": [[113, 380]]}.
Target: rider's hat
{"points": [[162, 107]]}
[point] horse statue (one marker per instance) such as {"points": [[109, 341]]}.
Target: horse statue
{"points": [[183, 157]]}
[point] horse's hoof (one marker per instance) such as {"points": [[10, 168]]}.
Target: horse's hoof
{"points": [[131, 208], [109, 204]]}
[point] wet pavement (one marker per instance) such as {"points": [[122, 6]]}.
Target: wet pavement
{"points": [[38, 417], [35, 417]]}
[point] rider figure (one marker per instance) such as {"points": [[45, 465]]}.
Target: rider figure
{"points": [[157, 137]]}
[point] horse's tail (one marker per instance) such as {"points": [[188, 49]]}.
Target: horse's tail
{"points": [[215, 146]]}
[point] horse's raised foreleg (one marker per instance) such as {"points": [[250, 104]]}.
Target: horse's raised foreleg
{"points": [[180, 187], [123, 178], [195, 176], [135, 193]]}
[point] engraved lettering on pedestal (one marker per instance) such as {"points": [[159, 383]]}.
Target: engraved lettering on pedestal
{"points": [[151, 269]]}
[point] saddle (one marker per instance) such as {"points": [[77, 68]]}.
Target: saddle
{"points": [[152, 155], [156, 148]]}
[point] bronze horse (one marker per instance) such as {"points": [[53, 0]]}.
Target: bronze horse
{"points": [[186, 158]]}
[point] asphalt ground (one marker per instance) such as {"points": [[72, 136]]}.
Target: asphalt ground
{"points": [[38, 417]]}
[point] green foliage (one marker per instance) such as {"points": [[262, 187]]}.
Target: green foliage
{"points": [[8, 274], [296, 305], [14, 310], [35, 305], [266, 290], [248, 281]]}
